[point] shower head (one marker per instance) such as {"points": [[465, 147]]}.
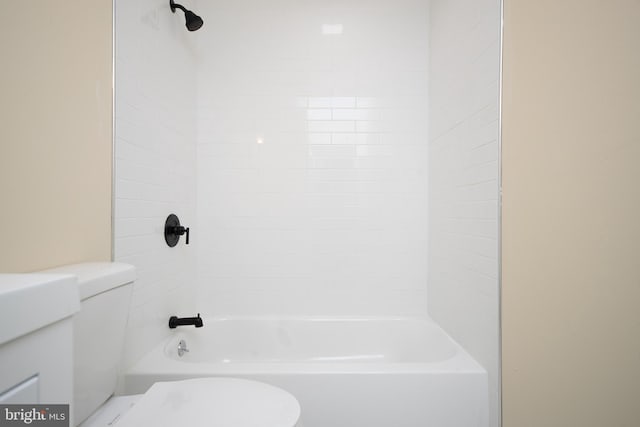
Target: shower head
{"points": [[193, 21]]}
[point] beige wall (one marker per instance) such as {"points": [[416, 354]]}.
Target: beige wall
{"points": [[55, 133], [571, 213]]}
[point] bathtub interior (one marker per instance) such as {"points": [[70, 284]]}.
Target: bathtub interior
{"points": [[313, 340]]}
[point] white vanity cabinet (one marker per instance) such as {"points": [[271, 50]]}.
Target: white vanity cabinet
{"points": [[36, 344]]}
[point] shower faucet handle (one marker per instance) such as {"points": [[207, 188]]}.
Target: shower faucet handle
{"points": [[181, 230], [173, 230]]}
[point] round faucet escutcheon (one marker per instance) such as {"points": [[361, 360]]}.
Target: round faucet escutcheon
{"points": [[173, 230]]}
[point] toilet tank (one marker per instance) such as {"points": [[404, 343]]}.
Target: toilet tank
{"points": [[98, 331]]}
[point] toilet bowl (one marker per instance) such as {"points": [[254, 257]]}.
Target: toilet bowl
{"points": [[201, 402], [99, 331]]}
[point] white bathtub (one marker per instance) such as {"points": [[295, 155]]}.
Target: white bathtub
{"points": [[345, 372]]}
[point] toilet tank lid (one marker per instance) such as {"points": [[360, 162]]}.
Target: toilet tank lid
{"points": [[98, 277]]}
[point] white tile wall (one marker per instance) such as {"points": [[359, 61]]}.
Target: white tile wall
{"points": [[463, 249], [314, 162], [312, 157], [155, 164]]}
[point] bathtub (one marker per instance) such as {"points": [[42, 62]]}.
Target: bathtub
{"points": [[345, 372]]}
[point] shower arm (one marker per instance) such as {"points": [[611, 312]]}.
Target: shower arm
{"points": [[175, 6]]}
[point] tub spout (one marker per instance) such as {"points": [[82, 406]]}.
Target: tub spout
{"points": [[175, 321]]}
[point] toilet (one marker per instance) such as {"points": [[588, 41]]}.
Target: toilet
{"points": [[99, 332]]}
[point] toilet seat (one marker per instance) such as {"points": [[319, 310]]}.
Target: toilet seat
{"points": [[209, 402]]}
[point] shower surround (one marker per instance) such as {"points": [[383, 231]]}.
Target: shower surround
{"points": [[334, 159]]}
